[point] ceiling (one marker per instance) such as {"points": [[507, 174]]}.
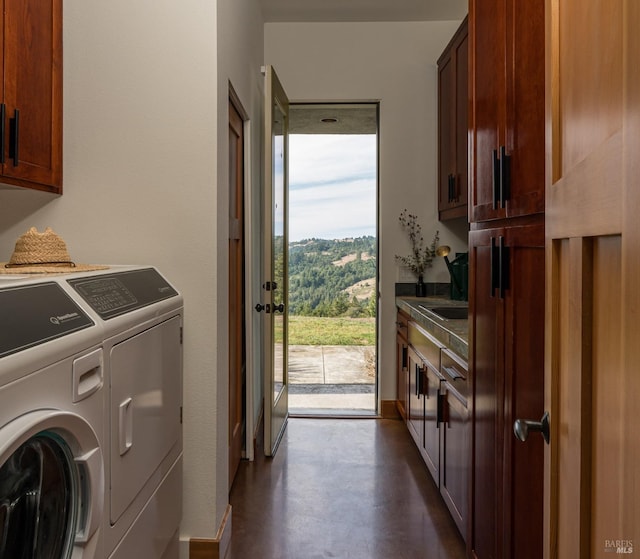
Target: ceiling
{"points": [[363, 10], [333, 118], [352, 119]]}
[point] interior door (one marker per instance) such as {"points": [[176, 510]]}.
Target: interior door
{"points": [[274, 287], [592, 355], [237, 333]]}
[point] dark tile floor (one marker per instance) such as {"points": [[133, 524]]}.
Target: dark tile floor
{"points": [[341, 488]]}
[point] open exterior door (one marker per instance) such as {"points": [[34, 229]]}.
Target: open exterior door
{"points": [[592, 317], [274, 286]]}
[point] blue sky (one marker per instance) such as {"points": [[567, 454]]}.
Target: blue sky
{"points": [[332, 186]]}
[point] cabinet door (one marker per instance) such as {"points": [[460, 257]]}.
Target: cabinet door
{"points": [[524, 140], [431, 448], [454, 457], [486, 346], [461, 184], [524, 391], [446, 129], [33, 93], [507, 351], [487, 37], [507, 137], [453, 99], [402, 374], [415, 411]]}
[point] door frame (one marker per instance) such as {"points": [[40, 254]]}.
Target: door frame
{"points": [[250, 344]]}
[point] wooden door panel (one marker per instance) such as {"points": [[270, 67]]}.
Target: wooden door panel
{"points": [[608, 389], [592, 354], [590, 100]]}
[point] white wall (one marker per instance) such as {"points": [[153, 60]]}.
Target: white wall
{"points": [[240, 57], [140, 186], [394, 63]]}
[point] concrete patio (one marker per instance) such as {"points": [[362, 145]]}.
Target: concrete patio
{"points": [[332, 380]]}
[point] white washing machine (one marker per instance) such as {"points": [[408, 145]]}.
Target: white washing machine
{"points": [[141, 316], [52, 405]]}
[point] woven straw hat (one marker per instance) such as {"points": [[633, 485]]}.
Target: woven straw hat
{"points": [[42, 253]]}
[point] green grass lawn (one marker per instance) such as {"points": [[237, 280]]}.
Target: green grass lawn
{"points": [[311, 330]]}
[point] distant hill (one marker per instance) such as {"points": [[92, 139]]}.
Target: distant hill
{"points": [[327, 277]]}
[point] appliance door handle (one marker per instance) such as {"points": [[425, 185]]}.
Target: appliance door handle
{"points": [[87, 375], [125, 426]]}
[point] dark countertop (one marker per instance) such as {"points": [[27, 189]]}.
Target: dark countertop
{"points": [[454, 334]]}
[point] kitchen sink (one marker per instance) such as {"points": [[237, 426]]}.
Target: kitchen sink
{"points": [[448, 313]]}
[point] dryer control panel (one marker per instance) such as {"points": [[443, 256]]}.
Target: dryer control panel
{"points": [[111, 295]]}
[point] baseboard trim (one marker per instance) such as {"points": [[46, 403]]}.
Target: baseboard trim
{"points": [[216, 548], [389, 410]]}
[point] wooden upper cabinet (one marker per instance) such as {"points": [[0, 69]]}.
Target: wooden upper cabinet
{"points": [[31, 142], [453, 99], [506, 40]]}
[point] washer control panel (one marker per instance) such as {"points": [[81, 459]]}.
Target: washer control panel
{"points": [[31, 315]]}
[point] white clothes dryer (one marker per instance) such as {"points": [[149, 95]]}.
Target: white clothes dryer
{"points": [[141, 315], [51, 424]]}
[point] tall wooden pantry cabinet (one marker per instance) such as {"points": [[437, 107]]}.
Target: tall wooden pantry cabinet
{"points": [[506, 283]]}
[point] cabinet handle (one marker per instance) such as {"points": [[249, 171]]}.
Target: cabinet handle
{"points": [[453, 373], [500, 265], [496, 179], [439, 411], [415, 372], [505, 176], [505, 262], [494, 268], [405, 351], [14, 131], [3, 115]]}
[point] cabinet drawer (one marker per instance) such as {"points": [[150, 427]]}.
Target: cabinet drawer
{"points": [[425, 344], [456, 372]]}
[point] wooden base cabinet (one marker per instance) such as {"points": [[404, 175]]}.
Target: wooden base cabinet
{"points": [[454, 459], [402, 364], [436, 383], [424, 411], [507, 361]]}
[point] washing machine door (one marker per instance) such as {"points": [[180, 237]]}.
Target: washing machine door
{"points": [[51, 487]]}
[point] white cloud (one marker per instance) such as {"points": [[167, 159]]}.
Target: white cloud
{"points": [[332, 186]]}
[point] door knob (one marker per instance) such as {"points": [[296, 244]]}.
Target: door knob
{"points": [[278, 308], [261, 308], [522, 427]]}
